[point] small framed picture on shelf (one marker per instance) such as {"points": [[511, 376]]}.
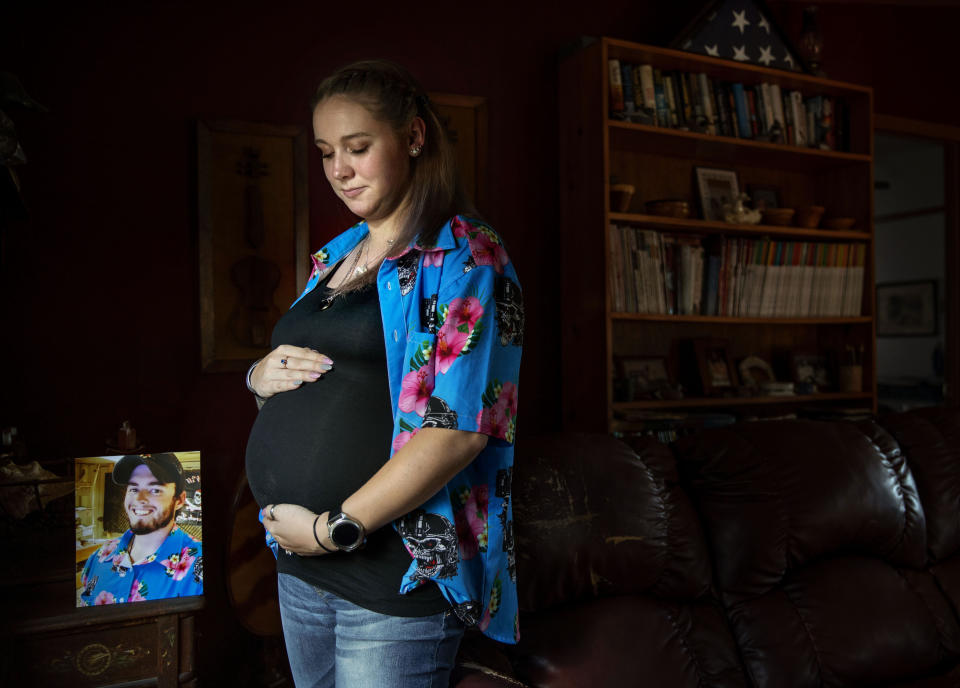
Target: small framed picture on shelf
{"points": [[715, 187], [643, 377], [811, 372], [717, 372], [755, 371], [907, 309], [763, 197]]}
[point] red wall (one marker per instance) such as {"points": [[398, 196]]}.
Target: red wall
{"points": [[100, 297]]}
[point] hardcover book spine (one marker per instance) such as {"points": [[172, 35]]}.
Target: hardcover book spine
{"points": [[617, 107], [670, 92], [660, 98], [743, 112], [799, 118], [649, 92], [629, 101], [705, 89], [778, 118]]}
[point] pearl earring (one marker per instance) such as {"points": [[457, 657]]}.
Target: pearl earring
{"points": [[415, 151]]}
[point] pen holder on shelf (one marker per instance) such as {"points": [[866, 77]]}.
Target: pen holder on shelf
{"points": [[851, 378], [620, 197]]}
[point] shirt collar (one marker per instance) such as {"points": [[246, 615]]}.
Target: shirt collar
{"points": [[345, 242]]}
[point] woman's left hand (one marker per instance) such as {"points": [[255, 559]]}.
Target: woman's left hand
{"points": [[292, 527]]}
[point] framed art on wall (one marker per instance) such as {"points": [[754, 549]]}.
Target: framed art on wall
{"points": [[253, 234], [907, 309]]}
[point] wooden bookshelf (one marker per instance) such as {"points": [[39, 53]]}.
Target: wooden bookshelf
{"points": [[659, 162]]}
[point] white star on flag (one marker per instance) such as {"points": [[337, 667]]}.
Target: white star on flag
{"points": [[740, 21], [763, 24], [788, 58], [712, 50], [766, 56], [740, 53]]}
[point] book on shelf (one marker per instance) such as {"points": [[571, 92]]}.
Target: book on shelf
{"points": [[617, 104], [676, 273]]}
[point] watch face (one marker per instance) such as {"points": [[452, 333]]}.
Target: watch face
{"points": [[345, 534]]}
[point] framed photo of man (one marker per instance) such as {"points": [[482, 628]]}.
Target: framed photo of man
{"points": [[139, 530]]}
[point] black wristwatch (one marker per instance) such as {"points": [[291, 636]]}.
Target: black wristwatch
{"points": [[346, 532]]}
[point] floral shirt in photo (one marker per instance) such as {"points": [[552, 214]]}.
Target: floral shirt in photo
{"points": [[453, 331], [174, 570]]}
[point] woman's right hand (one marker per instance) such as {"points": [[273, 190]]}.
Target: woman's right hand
{"points": [[286, 368]]}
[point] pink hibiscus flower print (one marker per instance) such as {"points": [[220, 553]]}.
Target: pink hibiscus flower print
{"points": [[508, 398], [450, 342], [117, 565], [492, 421], [459, 227], [403, 437], [487, 251], [460, 311], [178, 565], [136, 592], [433, 259], [104, 598], [415, 390], [106, 551], [471, 522], [476, 512]]}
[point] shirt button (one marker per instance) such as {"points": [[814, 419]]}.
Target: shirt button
{"points": [[389, 286], [396, 337]]}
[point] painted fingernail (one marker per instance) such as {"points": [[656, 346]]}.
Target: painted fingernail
{"points": [[314, 376], [326, 367], [326, 360]]}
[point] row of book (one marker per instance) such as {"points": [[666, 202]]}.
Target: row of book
{"points": [[695, 102], [682, 274]]}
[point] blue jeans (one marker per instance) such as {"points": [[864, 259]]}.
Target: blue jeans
{"points": [[332, 642]]}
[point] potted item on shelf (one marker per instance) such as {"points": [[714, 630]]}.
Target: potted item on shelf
{"points": [[839, 223], [669, 207], [620, 197], [715, 187], [809, 216], [778, 216], [717, 373]]}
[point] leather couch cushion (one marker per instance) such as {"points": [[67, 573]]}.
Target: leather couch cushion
{"points": [[629, 641], [594, 518], [811, 525], [930, 439], [778, 495]]}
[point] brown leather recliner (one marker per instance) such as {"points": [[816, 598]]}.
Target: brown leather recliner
{"points": [[793, 553]]}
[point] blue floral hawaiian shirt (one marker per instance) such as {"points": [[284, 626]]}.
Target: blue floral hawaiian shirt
{"points": [[453, 330], [174, 570]]}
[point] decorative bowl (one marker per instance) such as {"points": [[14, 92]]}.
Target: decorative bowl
{"points": [[839, 222], [809, 216], [778, 216], [669, 207], [620, 197]]}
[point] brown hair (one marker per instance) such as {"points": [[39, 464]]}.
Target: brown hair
{"points": [[392, 95]]}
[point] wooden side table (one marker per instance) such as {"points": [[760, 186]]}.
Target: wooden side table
{"points": [[139, 643]]}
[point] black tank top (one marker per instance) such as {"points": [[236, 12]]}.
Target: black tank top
{"points": [[316, 445]]}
